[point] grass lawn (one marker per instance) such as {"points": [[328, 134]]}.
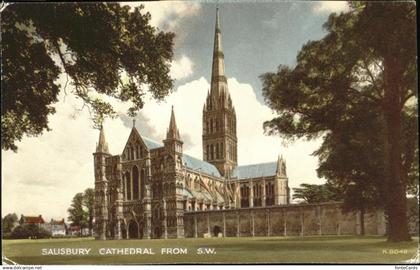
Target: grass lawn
{"points": [[326, 249]]}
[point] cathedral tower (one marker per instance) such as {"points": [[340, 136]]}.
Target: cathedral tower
{"points": [[219, 117], [101, 207], [173, 199]]}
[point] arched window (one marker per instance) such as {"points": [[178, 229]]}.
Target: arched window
{"points": [[211, 125], [142, 183], [136, 185], [217, 150], [207, 152], [128, 185], [211, 152], [244, 196], [221, 150]]}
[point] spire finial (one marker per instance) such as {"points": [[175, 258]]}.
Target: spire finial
{"points": [[217, 17], [134, 122], [102, 146], [173, 132]]}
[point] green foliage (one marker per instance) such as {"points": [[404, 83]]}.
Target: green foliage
{"points": [[81, 209], [77, 213], [309, 193], [88, 202], [29, 231], [8, 222], [356, 88], [104, 49]]}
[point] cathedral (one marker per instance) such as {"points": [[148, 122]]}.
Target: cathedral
{"points": [[145, 191]]}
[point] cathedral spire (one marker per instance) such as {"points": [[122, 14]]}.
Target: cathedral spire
{"points": [[218, 70], [173, 132], [102, 146]]}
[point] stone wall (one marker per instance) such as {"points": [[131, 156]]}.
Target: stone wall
{"points": [[282, 220]]}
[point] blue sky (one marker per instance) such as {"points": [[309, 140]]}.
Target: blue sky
{"points": [[257, 37]]}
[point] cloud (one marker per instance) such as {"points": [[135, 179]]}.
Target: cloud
{"points": [[181, 68], [167, 14], [49, 170], [330, 7]]}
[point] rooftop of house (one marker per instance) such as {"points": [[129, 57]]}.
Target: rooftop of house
{"points": [[33, 219]]}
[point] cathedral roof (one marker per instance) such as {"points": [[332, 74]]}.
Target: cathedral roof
{"points": [[200, 165], [189, 161], [255, 170], [202, 194], [151, 144]]}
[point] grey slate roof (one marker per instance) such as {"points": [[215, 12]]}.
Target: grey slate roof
{"points": [[189, 161], [200, 165], [255, 170], [150, 143]]}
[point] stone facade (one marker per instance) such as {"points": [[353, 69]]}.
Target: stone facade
{"points": [[155, 190], [146, 191]]}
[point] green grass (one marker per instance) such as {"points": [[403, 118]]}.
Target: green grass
{"points": [[326, 249]]}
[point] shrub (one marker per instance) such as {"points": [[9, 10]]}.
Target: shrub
{"points": [[29, 231]]}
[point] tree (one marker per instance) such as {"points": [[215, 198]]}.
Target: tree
{"points": [[309, 193], [88, 201], [77, 214], [104, 50], [29, 231], [364, 68], [8, 223], [81, 210]]}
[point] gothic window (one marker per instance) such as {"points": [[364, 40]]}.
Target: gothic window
{"points": [[211, 152], [136, 185], [142, 183], [221, 150], [269, 189], [217, 150], [244, 190], [211, 125], [124, 188], [257, 195], [128, 185], [207, 152]]}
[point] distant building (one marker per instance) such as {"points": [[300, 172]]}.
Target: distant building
{"points": [[56, 227], [36, 220], [77, 231], [74, 231]]}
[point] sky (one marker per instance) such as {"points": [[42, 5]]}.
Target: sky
{"points": [[48, 170]]}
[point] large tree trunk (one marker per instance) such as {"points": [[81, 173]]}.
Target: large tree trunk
{"points": [[362, 221], [396, 201]]}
